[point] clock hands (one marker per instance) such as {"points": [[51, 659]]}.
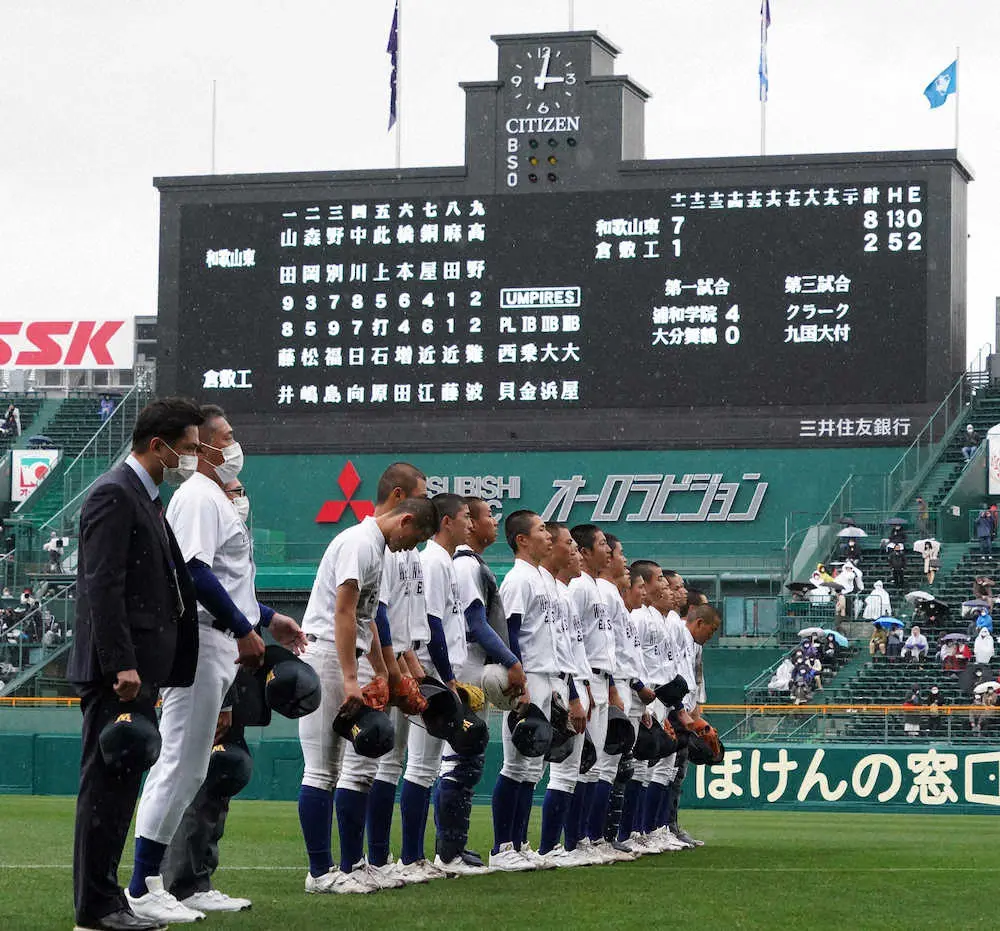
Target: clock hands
{"points": [[542, 78]]}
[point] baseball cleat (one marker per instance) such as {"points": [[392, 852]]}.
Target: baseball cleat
{"points": [[458, 867], [336, 883], [508, 860], [683, 835], [215, 901], [377, 876], [536, 859], [159, 905]]}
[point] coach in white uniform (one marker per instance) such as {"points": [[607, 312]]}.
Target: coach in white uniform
{"points": [[339, 625], [527, 600], [217, 549]]}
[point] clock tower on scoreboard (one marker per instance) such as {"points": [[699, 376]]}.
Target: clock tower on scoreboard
{"points": [[558, 118]]}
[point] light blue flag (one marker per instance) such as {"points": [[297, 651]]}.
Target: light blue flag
{"points": [[765, 21], [944, 84]]}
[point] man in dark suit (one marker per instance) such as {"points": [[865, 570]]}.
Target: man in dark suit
{"points": [[136, 630]]}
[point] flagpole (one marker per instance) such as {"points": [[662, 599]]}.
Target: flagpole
{"points": [[570, 15], [958, 97], [763, 125], [399, 83], [213, 126]]}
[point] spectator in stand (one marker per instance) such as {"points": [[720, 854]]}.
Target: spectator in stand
{"points": [[985, 703], [897, 563], [28, 598], [852, 550], [878, 641], [985, 620], [12, 421], [897, 536], [931, 561], [894, 645], [830, 650], [823, 574], [984, 646], [877, 604], [6, 593], [923, 518], [916, 646], [54, 547], [970, 442], [963, 653], [983, 588], [995, 517], [984, 533], [104, 408], [946, 653]]}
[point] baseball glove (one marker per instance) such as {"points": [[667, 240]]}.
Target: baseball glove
{"points": [[376, 694], [472, 695], [407, 696], [711, 737]]}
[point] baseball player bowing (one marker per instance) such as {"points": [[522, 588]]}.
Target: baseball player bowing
{"points": [[528, 603], [486, 623], [217, 549], [440, 655], [340, 629]]}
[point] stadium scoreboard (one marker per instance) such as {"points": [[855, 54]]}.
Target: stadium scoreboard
{"points": [[561, 291]]}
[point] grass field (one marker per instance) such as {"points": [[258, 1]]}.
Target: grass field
{"points": [[770, 870]]}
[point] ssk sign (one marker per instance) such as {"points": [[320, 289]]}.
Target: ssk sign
{"points": [[67, 344]]}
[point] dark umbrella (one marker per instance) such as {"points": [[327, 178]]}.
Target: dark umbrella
{"points": [[847, 521], [939, 605], [896, 522], [972, 675], [802, 587]]}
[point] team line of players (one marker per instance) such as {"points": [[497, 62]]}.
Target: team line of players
{"points": [[571, 619]]}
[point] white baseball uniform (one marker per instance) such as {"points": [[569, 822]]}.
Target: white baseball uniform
{"points": [[526, 594], [208, 529], [663, 772], [599, 641], [355, 555], [402, 593], [442, 601]]}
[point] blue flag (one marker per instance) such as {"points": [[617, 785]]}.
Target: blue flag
{"points": [[765, 21], [944, 84], [392, 49]]}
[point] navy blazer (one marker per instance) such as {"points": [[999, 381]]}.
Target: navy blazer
{"points": [[130, 612]]}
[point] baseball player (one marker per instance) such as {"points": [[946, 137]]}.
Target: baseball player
{"points": [[527, 601], [401, 619], [340, 630], [700, 624], [590, 801], [445, 650], [379, 667], [486, 632], [216, 547], [563, 564]]}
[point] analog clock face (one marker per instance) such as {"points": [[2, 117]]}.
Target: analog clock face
{"points": [[542, 80]]}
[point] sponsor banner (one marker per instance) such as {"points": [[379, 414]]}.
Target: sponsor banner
{"points": [[29, 468], [51, 343], [919, 777]]}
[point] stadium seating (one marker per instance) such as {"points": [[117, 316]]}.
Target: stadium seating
{"points": [[28, 405]]}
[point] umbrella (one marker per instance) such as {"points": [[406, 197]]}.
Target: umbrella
{"points": [[914, 597], [895, 522], [838, 637], [986, 687], [800, 586], [972, 675], [809, 631], [949, 638], [888, 622], [847, 521], [976, 603], [834, 586], [918, 547], [852, 532], [937, 604]]}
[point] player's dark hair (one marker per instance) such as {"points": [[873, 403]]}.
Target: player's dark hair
{"points": [[670, 574], [554, 527], [447, 505], [475, 504], [705, 613], [517, 522], [398, 475], [424, 514], [613, 541], [585, 535], [166, 418], [696, 598], [643, 567]]}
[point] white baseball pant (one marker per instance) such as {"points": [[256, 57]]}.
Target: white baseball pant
{"points": [[598, 725], [523, 768], [187, 728], [564, 776], [322, 749]]}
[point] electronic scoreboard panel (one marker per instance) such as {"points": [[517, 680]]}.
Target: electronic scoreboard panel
{"points": [[770, 301]]}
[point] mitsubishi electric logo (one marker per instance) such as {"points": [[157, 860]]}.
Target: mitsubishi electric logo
{"points": [[349, 481]]}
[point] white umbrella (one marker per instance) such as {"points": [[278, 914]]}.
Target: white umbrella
{"points": [[809, 631], [986, 687], [852, 532], [918, 547], [914, 597]]}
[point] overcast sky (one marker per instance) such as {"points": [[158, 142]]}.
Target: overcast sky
{"points": [[99, 96]]}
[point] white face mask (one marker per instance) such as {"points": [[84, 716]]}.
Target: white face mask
{"points": [[242, 505], [232, 463], [186, 466]]}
